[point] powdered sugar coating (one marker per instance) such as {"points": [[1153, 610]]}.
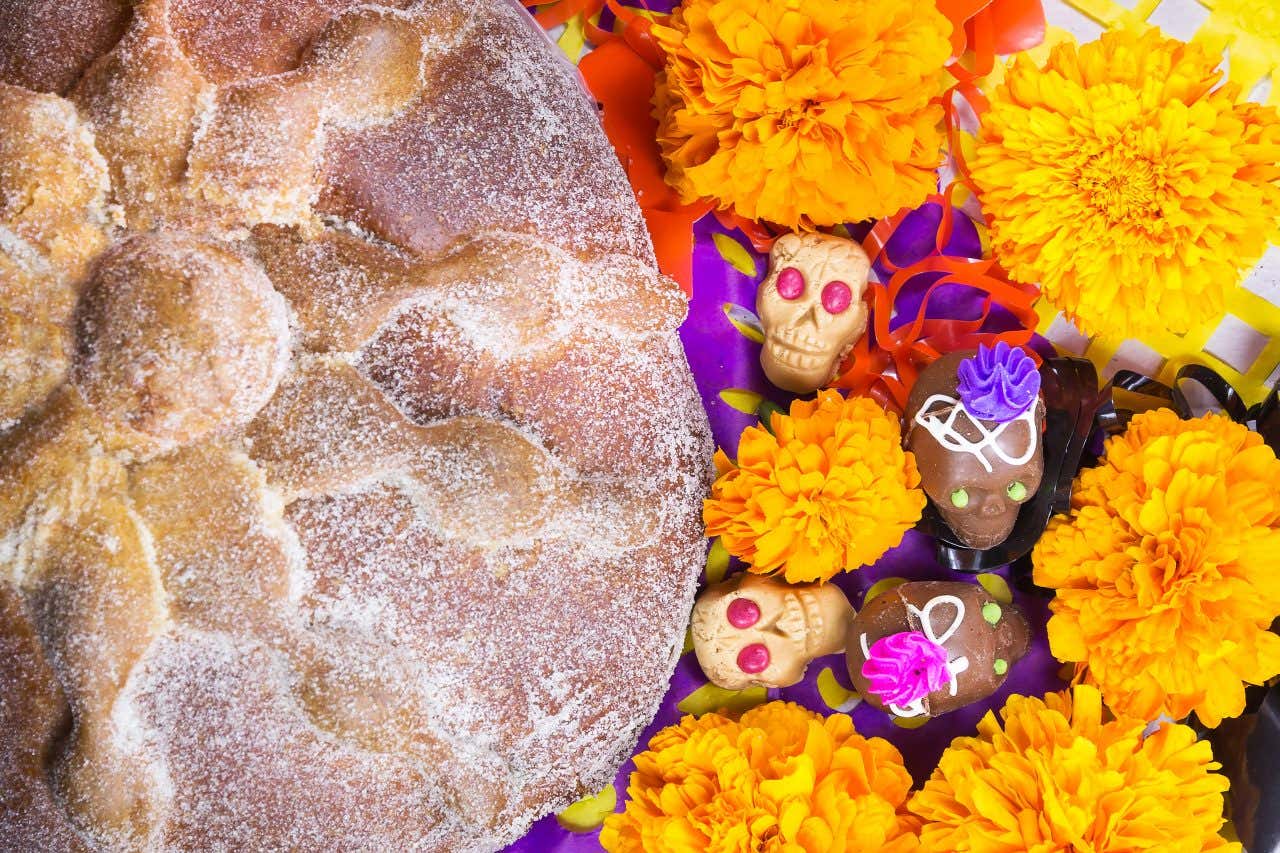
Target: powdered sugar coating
{"points": [[416, 573]]}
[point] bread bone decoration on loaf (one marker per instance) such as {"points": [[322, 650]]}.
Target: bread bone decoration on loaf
{"points": [[350, 468]]}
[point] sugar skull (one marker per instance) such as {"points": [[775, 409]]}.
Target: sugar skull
{"points": [[974, 423], [754, 631], [811, 308]]}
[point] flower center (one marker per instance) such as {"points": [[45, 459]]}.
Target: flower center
{"points": [[1122, 186], [798, 113]]}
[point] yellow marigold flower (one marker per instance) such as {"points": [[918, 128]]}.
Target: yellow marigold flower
{"points": [[1165, 571], [1056, 777], [829, 489], [782, 778], [1119, 178], [810, 112]]}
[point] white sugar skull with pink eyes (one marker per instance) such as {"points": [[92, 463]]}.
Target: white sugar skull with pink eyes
{"points": [[811, 308], [754, 631]]}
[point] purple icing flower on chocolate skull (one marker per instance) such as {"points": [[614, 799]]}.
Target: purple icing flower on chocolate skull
{"points": [[998, 384], [902, 668]]}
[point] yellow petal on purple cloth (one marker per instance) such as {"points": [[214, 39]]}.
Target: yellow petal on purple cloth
{"points": [[717, 561], [997, 586], [735, 254], [745, 321], [836, 695], [708, 698], [882, 585], [910, 722], [741, 399], [587, 814]]}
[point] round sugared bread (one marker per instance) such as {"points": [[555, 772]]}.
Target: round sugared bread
{"points": [[350, 466]]}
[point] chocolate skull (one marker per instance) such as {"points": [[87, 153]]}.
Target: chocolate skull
{"points": [[754, 631], [976, 470], [926, 648], [811, 308]]}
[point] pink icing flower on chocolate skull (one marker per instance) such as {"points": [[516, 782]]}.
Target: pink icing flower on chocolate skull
{"points": [[903, 668]]}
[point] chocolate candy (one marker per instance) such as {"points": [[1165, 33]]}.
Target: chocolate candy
{"points": [[926, 648], [974, 420]]}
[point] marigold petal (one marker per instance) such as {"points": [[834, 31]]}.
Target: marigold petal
{"points": [[829, 490], [1163, 569], [1051, 775], [773, 779], [1134, 204], [804, 113]]}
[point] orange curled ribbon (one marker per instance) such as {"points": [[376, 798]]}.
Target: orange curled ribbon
{"points": [[885, 362]]}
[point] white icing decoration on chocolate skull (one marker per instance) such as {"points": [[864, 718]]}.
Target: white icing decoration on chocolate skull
{"points": [[940, 421], [811, 308], [955, 666]]}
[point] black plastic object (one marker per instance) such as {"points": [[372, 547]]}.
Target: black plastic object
{"points": [[1249, 749], [1264, 418]]}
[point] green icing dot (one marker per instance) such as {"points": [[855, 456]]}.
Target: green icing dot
{"points": [[1001, 666], [991, 612], [960, 499], [1016, 491]]}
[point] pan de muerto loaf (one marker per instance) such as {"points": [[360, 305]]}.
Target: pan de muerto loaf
{"points": [[350, 468]]}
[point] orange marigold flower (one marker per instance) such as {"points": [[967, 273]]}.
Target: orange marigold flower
{"points": [[1165, 569], [804, 113], [1119, 178], [1056, 777], [828, 489], [782, 778]]}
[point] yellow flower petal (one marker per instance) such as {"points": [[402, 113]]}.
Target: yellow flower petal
{"points": [[743, 400], [587, 814], [735, 254], [997, 586], [1127, 183], [709, 697], [836, 695]]}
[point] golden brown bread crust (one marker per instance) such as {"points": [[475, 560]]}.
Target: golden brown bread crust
{"points": [[53, 221], [34, 712], [45, 45], [350, 469]]}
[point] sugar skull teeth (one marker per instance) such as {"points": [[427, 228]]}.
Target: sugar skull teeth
{"points": [[811, 308], [761, 631]]}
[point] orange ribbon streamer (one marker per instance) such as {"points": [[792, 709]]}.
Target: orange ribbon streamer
{"points": [[885, 363], [991, 27], [622, 80]]}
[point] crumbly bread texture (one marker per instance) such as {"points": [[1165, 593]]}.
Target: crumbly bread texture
{"points": [[350, 467]]}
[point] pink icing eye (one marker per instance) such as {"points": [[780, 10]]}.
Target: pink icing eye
{"points": [[743, 613], [753, 658], [790, 283], [836, 297]]}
